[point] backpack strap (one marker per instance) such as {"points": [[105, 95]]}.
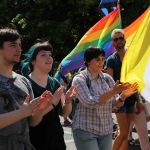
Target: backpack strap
{"points": [[105, 77], [88, 82]]}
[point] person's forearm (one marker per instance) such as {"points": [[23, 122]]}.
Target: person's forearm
{"points": [[11, 118], [105, 97], [37, 118], [118, 103], [67, 108], [96, 101]]}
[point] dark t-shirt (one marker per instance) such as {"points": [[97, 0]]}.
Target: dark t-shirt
{"points": [[48, 135], [115, 63], [13, 92]]}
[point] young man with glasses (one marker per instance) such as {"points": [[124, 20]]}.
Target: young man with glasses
{"points": [[127, 113]]}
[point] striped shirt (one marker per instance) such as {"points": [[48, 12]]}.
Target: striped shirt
{"points": [[89, 115]]}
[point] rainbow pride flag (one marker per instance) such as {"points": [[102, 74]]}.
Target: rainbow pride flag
{"points": [[136, 63], [133, 27], [99, 35]]}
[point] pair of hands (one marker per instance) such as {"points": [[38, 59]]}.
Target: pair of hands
{"points": [[36, 105], [126, 89], [40, 104], [48, 99], [66, 98]]}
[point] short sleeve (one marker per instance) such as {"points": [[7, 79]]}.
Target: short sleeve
{"points": [[109, 63], [29, 87], [30, 90]]}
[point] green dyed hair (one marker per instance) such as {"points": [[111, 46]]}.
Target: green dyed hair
{"points": [[26, 65]]}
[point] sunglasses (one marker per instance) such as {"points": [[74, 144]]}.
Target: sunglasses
{"points": [[119, 38]]}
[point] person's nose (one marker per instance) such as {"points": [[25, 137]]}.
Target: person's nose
{"points": [[49, 58], [18, 48]]}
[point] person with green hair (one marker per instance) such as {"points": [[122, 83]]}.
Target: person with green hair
{"points": [[48, 135]]}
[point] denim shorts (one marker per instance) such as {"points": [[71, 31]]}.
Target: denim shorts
{"points": [[129, 105], [125, 109]]}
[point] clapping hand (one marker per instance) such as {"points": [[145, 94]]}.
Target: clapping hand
{"points": [[38, 104], [45, 100], [57, 95], [129, 90], [70, 94], [118, 88], [30, 107]]}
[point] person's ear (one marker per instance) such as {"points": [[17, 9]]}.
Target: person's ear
{"points": [[88, 63], [33, 62]]}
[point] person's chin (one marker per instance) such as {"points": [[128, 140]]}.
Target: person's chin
{"points": [[48, 70], [120, 46], [16, 61]]}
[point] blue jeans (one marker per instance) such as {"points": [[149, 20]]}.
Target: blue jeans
{"points": [[88, 141]]}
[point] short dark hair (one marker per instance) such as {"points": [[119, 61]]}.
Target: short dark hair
{"points": [[36, 48], [91, 53], [26, 65], [8, 34]]}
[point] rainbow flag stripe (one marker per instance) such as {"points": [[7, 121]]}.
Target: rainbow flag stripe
{"points": [[136, 63], [133, 27], [98, 35]]}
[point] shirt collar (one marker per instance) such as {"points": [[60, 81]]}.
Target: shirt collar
{"points": [[100, 75], [5, 78]]}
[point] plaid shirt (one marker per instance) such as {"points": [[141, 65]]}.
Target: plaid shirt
{"points": [[89, 115]]}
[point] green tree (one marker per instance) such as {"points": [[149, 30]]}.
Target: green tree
{"points": [[63, 23]]}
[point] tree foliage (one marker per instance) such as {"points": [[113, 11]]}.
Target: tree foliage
{"points": [[62, 22]]}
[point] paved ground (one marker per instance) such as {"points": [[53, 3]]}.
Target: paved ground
{"points": [[70, 143], [69, 139], [71, 146]]}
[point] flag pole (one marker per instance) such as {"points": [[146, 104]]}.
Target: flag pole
{"points": [[118, 4]]}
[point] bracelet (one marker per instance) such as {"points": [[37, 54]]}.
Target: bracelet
{"points": [[54, 106]]}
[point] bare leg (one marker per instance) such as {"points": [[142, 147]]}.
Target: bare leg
{"points": [[130, 134], [141, 127], [121, 141]]}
